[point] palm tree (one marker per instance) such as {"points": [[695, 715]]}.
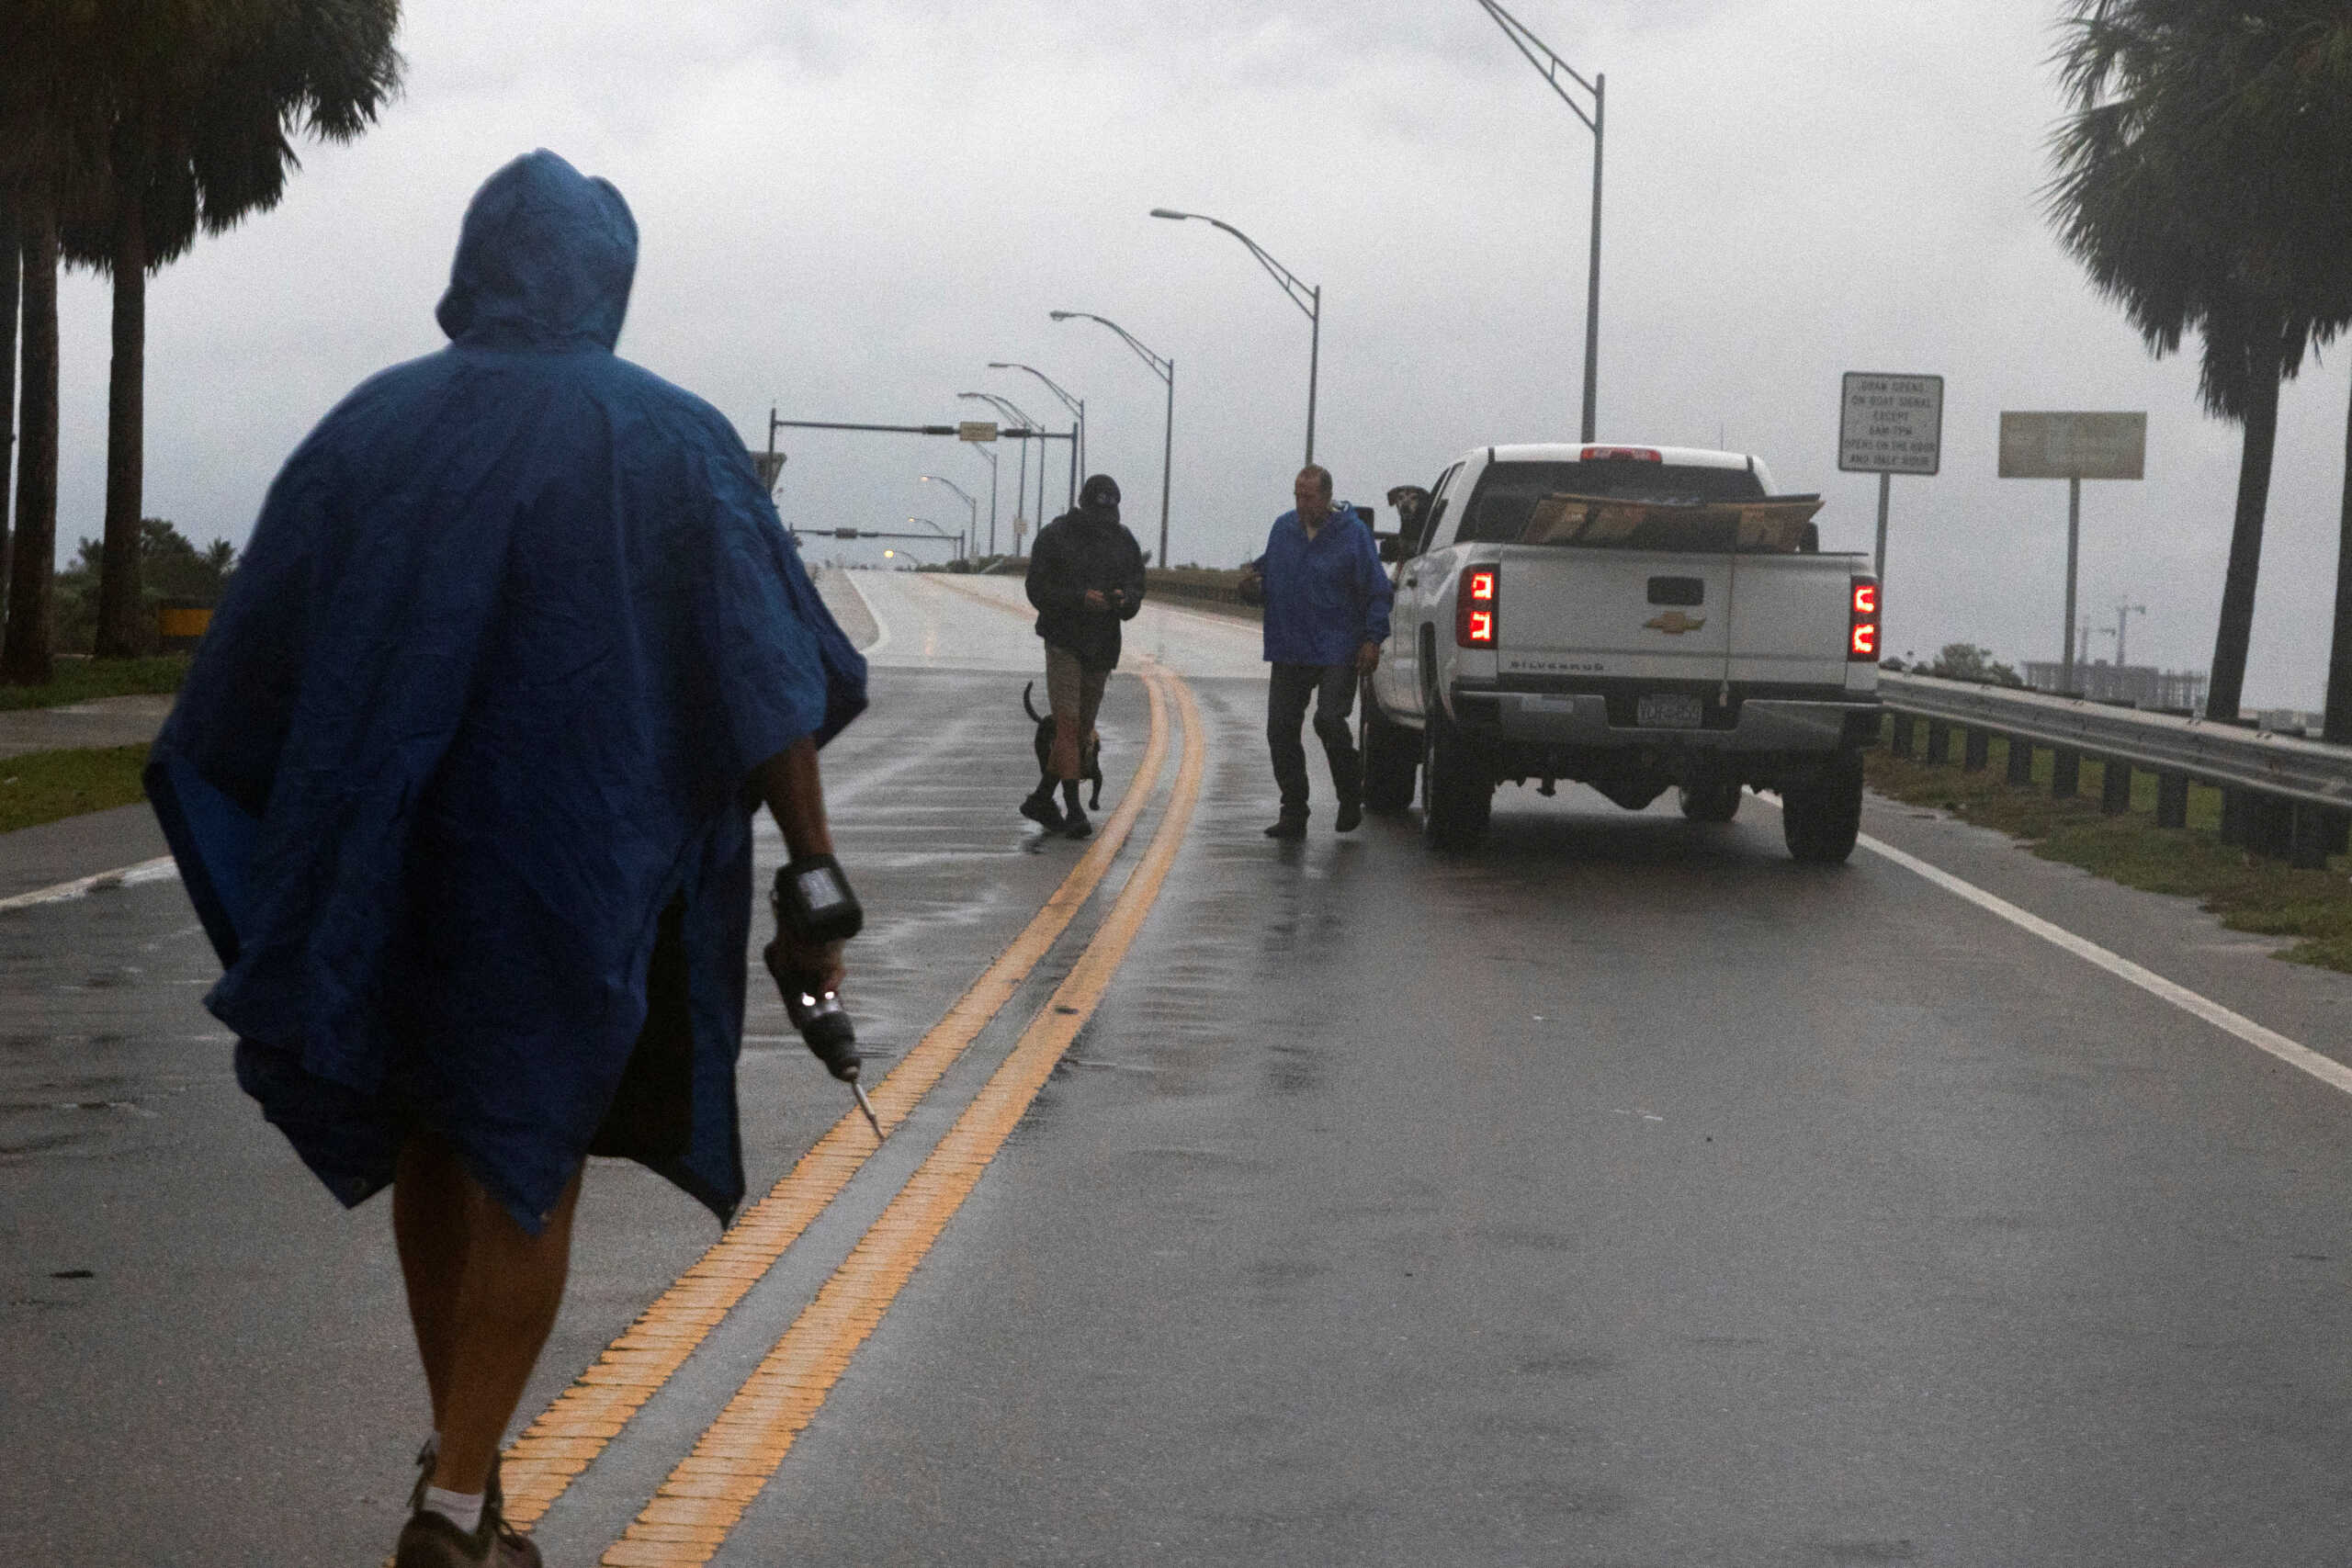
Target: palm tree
{"points": [[2175, 190], [202, 97], [48, 159], [11, 268], [25, 652]]}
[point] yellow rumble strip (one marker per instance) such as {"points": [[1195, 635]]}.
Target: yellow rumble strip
{"points": [[542, 1464], [692, 1515]]}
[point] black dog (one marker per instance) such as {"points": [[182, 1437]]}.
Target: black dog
{"points": [[1090, 751]]}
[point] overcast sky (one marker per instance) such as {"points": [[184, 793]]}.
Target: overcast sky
{"points": [[847, 209]]}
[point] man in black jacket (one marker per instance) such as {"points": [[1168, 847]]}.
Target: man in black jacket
{"points": [[1085, 577]]}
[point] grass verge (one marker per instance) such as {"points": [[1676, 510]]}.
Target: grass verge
{"points": [[2313, 908], [80, 679], [47, 786]]}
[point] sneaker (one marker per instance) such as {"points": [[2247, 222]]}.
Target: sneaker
{"points": [[1289, 825], [429, 1540], [1041, 809], [1076, 825], [1350, 817]]}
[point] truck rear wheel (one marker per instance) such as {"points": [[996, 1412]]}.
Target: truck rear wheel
{"points": [[1710, 800], [1458, 793], [1821, 818], [1392, 759]]}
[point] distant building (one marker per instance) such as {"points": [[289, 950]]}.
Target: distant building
{"points": [[2290, 721], [2143, 685]]}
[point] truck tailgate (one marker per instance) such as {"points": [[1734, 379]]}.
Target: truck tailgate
{"points": [[1618, 613], [1633, 615], [1790, 619]]}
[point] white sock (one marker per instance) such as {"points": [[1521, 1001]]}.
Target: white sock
{"points": [[462, 1509]]}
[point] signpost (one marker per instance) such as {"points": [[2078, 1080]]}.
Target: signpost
{"points": [[976, 430], [2074, 447], [1890, 424]]}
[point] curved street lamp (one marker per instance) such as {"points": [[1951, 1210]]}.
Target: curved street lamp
{"points": [[1076, 405], [1166, 370], [955, 540], [1307, 297], [969, 499], [1540, 55], [1006, 409]]}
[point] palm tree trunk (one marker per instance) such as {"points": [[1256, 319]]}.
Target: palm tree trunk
{"points": [[121, 632], [10, 264], [2235, 633], [25, 654], [2338, 724]]}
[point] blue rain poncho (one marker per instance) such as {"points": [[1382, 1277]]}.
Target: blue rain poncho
{"points": [[458, 781]]}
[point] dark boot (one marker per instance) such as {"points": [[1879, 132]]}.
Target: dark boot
{"points": [[1039, 807], [1291, 824]]}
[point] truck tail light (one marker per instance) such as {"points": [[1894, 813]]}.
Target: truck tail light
{"points": [[1861, 640], [1477, 611], [1622, 455]]}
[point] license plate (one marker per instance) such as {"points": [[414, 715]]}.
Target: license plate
{"points": [[1669, 710]]}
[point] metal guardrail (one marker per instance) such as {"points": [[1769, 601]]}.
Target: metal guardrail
{"points": [[2281, 794], [2205, 750]]}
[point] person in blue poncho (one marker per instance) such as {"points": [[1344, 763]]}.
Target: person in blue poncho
{"points": [[461, 783]]}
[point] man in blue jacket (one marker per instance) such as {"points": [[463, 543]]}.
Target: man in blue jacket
{"points": [[1327, 614]]}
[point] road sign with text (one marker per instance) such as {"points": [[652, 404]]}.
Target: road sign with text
{"points": [[2074, 446], [1891, 424], [976, 430]]}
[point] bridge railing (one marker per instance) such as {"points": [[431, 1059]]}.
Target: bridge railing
{"points": [[2281, 794]]}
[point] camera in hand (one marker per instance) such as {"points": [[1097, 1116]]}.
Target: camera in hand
{"points": [[814, 906]]}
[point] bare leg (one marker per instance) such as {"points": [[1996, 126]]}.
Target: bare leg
{"points": [[482, 1296]]}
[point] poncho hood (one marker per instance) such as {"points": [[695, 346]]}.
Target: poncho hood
{"points": [[544, 261]]}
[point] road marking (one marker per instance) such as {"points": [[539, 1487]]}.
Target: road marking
{"points": [[981, 596], [2329, 1071], [706, 1496], [2302, 1057], [542, 1464], [881, 627], [163, 868]]}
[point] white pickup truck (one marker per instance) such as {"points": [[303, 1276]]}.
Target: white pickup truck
{"points": [[1632, 618]]}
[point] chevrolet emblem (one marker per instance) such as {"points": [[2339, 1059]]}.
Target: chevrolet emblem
{"points": [[1674, 623]]}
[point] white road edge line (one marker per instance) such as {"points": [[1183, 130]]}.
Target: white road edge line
{"points": [[881, 627], [161, 869], [2329, 1071]]}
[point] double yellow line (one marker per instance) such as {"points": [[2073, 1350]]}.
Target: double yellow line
{"points": [[703, 1499]]}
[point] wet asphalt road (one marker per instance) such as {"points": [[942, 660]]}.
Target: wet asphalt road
{"points": [[1620, 1194]]}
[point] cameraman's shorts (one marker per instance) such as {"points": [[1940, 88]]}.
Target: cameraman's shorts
{"points": [[1075, 692]]}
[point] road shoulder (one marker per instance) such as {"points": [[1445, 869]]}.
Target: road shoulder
{"points": [[2169, 934], [34, 858]]}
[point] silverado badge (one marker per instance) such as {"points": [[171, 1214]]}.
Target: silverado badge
{"points": [[1674, 623]]}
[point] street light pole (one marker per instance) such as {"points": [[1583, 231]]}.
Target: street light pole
{"points": [[1166, 370], [1540, 55], [971, 500], [1021, 418], [958, 539], [1307, 297], [1007, 410], [1077, 406], [980, 449]]}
